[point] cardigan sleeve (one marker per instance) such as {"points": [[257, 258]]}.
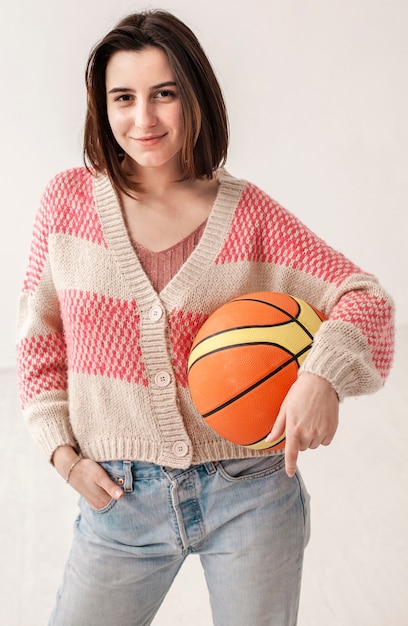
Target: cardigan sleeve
{"points": [[41, 349], [353, 349]]}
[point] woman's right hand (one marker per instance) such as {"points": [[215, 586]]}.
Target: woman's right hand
{"points": [[87, 477]]}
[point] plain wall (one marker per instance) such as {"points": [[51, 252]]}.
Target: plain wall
{"points": [[317, 95]]}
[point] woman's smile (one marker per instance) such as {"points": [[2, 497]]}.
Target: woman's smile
{"points": [[150, 140]]}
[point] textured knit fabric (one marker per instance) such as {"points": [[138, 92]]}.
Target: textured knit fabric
{"points": [[103, 357], [161, 266]]}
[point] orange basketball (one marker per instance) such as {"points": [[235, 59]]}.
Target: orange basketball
{"points": [[245, 358]]}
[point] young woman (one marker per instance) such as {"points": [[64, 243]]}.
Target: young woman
{"points": [[129, 256]]}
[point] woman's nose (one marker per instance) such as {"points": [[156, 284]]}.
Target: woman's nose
{"points": [[145, 116]]}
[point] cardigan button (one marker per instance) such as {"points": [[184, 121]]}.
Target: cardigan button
{"points": [[180, 448], [155, 313], [162, 379]]}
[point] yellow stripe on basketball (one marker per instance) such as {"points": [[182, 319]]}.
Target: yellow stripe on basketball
{"points": [[295, 341], [308, 317], [263, 445]]}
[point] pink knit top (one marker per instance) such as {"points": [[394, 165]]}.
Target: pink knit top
{"points": [[161, 266]]}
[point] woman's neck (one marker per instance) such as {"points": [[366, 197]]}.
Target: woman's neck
{"points": [[156, 181]]}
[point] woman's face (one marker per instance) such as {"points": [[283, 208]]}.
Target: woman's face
{"points": [[144, 108]]}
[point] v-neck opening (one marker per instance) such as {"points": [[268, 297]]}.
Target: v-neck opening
{"points": [[189, 275], [139, 246]]}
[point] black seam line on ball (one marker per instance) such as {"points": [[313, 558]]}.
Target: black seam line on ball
{"points": [[278, 308], [257, 384]]}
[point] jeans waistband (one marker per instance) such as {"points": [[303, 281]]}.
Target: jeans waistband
{"points": [[130, 471]]}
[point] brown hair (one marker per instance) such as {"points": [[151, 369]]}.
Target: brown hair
{"points": [[204, 113]]}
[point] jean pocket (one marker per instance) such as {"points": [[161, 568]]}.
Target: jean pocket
{"points": [[114, 470], [250, 468], [84, 507], [104, 509]]}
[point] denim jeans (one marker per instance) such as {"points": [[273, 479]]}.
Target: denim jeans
{"points": [[246, 519]]}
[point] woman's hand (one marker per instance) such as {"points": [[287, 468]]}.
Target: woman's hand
{"points": [[309, 414], [87, 477]]}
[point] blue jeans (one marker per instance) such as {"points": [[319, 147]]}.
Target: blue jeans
{"points": [[246, 519]]}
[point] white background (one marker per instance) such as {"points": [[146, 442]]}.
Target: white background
{"points": [[317, 95]]}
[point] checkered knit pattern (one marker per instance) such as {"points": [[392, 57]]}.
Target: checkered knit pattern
{"points": [[103, 357]]}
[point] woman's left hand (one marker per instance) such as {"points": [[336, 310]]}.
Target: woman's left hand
{"points": [[309, 414]]}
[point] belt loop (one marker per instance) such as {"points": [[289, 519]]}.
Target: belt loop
{"points": [[127, 470], [210, 467]]}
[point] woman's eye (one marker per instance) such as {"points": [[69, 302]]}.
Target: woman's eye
{"points": [[124, 98], [165, 93]]}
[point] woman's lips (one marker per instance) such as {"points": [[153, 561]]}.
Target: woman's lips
{"points": [[149, 140]]}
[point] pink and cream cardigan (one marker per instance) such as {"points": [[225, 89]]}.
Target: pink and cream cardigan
{"points": [[103, 357]]}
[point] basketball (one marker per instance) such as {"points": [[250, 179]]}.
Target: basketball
{"points": [[243, 361]]}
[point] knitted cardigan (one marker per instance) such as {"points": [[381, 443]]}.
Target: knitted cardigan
{"points": [[102, 357]]}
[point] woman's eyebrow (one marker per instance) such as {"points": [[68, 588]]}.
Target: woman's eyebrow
{"points": [[169, 83], [121, 90]]}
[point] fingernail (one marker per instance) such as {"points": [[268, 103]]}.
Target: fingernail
{"points": [[118, 494]]}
